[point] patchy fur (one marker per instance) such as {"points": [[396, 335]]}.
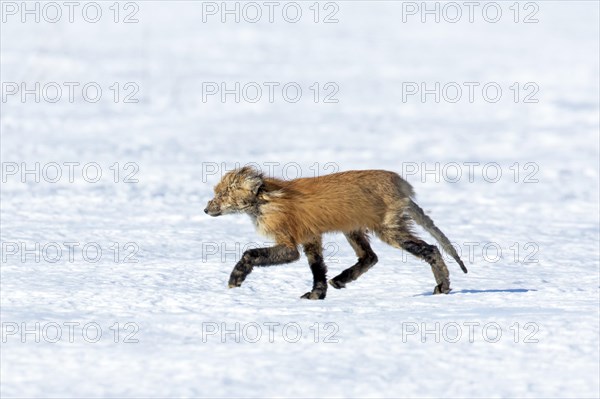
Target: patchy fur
{"points": [[298, 212]]}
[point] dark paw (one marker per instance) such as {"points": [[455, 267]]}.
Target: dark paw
{"points": [[236, 280], [314, 295], [337, 284], [442, 288]]}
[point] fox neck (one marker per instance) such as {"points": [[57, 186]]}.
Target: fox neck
{"points": [[253, 210], [268, 191], [254, 213]]}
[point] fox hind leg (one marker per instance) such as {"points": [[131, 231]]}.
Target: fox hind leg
{"points": [[366, 259], [400, 236], [431, 254], [314, 252]]}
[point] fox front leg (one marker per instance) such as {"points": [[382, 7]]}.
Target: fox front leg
{"points": [[314, 254], [269, 256]]}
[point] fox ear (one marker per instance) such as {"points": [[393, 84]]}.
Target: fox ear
{"points": [[257, 188], [249, 179], [255, 183]]}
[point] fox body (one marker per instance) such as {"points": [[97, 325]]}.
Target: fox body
{"points": [[298, 212]]}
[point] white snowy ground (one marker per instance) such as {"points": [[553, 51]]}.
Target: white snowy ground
{"points": [[377, 338]]}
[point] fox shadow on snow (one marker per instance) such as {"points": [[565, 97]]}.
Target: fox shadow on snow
{"points": [[508, 290]]}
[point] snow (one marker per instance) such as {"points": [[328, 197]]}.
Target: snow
{"points": [[376, 338]]}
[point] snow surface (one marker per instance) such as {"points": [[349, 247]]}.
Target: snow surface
{"points": [[373, 339]]}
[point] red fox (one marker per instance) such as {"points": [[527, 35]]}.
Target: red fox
{"points": [[298, 212]]}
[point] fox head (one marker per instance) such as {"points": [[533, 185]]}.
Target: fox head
{"points": [[236, 192]]}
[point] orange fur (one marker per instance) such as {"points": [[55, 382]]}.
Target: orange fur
{"points": [[296, 211]]}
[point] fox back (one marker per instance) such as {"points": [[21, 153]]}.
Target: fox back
{"points": [[294, 211]]}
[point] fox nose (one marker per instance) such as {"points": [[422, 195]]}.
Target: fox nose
{"points": [[205, 210]]}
